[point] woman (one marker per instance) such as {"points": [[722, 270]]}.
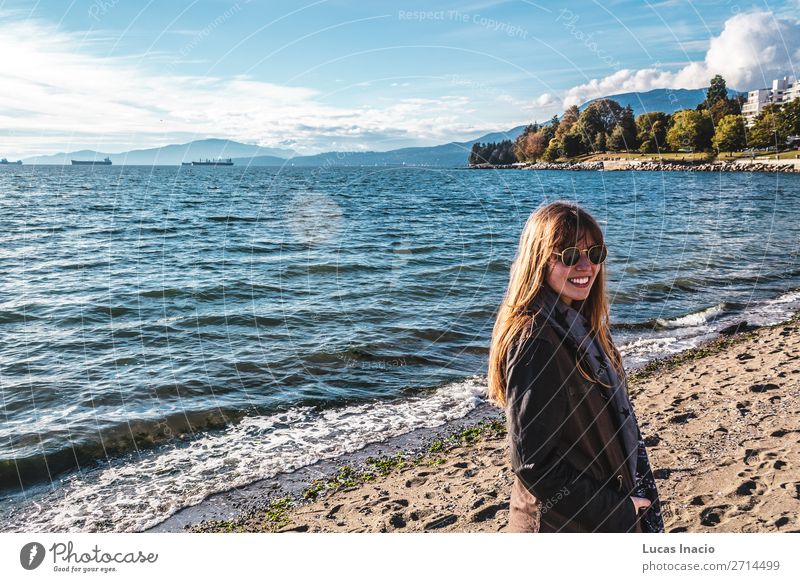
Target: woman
{"points": [[579, 460]]}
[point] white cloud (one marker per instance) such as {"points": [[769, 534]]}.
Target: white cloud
{"points": [[52, 89], [752, 49]]}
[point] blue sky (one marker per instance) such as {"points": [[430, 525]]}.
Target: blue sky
{"points": [[114, 75]]}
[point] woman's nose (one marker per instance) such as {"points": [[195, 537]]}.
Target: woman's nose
{"points": [[584, 263]]}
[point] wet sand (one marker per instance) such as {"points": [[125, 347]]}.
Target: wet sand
{"points": [[722, 423]]}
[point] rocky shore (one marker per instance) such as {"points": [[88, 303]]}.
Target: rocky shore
{"points": [[788, 166], [720, 421]]}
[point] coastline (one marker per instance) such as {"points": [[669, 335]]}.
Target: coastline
{"points": [[649, 165], [718, 420]]}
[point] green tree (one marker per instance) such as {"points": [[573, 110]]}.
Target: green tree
{"points": [[600, 142], [572, 145], [567, 138], [717, 91], [651, 131], [766, 130], [788, 118], [729, 135], [691, 130], [551, 153], [626, 130]]}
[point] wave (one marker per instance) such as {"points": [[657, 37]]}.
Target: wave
{"points": [[231, 218], [150, 486], [696, 319], [115, 441]]}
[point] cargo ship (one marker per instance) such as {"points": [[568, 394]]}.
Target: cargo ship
{"points": [[105, 162], [217, 162], [5, 162]]}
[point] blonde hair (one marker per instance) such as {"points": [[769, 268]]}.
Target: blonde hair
{"points": [[549, 228]]}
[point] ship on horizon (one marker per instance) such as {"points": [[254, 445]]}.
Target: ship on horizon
{"points": [[105, 162], [5, 162], [217, 162]]}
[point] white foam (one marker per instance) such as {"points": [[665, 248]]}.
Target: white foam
{"points": [[139, 494], [697, 319]]}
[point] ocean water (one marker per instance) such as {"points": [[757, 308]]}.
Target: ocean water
{"points": [[167, 333]]}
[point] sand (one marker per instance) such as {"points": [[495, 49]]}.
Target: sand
{"points": [[722, 424]]}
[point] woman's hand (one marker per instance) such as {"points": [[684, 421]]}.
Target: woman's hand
{"points": [[640, 503]]}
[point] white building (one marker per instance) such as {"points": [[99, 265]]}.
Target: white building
{"points": [[782, 91]]}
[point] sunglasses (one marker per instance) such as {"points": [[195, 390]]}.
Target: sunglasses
{"points": [[572, 255]]}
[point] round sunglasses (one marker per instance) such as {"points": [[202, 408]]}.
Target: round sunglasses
{"points": [[572, 255]]}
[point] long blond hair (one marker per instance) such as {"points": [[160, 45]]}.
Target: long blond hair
{"points": [[549, 228]]}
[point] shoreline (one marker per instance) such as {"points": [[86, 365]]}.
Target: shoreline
{"points": [[787, 165], [713, 416]]}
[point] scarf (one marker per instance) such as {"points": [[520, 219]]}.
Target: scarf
{"points": [[573, 328]]}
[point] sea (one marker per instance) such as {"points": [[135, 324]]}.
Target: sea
{"points": [[168, 333]]}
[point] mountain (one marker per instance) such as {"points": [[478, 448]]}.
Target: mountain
{"points": [[447, 155], [171, 155]]}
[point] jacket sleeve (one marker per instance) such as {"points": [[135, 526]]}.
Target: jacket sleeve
{"points": [[536, 411]]}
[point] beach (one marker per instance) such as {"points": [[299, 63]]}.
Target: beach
{"points": [[722, 425]]}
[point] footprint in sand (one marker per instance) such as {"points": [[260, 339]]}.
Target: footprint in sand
{"points": [[441, 522], [489, 512], [711, 516], [683, 418], [416, 482], [701, 499]]}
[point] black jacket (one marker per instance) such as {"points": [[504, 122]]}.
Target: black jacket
{"points": [[566, 450]]}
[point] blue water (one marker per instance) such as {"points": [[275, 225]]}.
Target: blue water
{"points": [[171, 332]]}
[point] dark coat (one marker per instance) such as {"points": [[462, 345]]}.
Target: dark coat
{"points": [[567, 454]]}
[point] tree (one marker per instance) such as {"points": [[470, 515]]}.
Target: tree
{"points": [[729, 134], [530, 145], [474, 154], [789, 118], [722, 109], [717, 91], [766, 131], [623, 137], [521, 144], [493, 153], [567, 140], [691, 130], [551, 153], [570, 116], [600, 116], [651, 131], [600, 142], [553, 124], [572, 145]]}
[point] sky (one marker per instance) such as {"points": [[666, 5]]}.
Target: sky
{"points": [[322, 75]]}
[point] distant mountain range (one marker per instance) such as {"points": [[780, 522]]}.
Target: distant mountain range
{"points": [[171, 155], [447, 155]]}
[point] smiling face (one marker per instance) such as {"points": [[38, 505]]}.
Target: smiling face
{"points": [[559, 275]]}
